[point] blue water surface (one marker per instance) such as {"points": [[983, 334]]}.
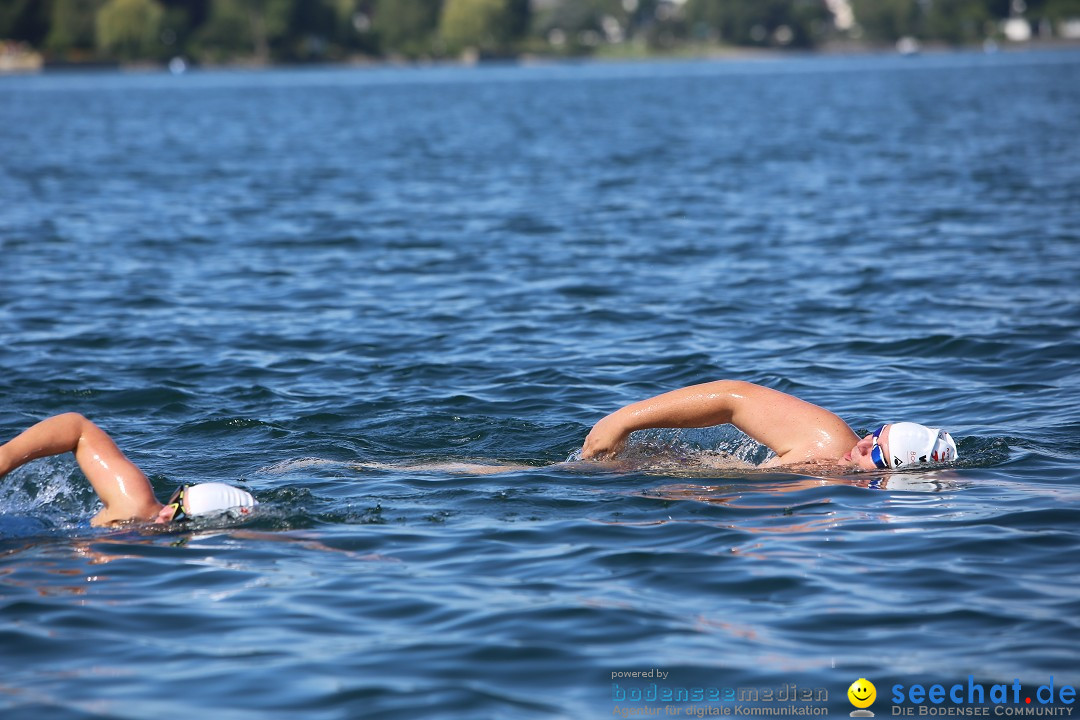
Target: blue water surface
{"points": [[311, 282]]}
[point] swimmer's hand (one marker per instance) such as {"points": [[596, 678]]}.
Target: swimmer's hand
{"points": [[606, 439]]}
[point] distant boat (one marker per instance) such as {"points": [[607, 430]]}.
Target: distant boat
{"points": [[908, 46], [177, 66], [18, 57], [1016, 29]]}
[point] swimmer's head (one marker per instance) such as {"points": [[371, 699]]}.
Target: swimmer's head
{"points": [[899, 445], [206, 499]]}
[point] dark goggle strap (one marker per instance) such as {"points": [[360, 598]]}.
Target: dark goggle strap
{"points": [[177, 501]]}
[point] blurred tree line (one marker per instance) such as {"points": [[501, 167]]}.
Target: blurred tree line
{"points": [[263, 31]]}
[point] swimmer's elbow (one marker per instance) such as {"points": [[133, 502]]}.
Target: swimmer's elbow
{"points": [[71, 417], [76, 422], [735, 385]]}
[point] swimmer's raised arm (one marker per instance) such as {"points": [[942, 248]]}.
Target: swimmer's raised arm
{"points": [[794, 429], [122, 487]]}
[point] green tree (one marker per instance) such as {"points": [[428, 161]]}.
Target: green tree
{"points": [[480, 24], [244, 28], [762, 22], [352, 26], [407, 26], [518, 19], [888, 20], [129, 29], [309, 31], [175, 31], [957, 21], [25, 20], [578, 20], [1062, 9], [72, 26]]}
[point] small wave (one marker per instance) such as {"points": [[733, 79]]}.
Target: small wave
{"points": [[228, 423], [716, 448], [51, 490], [983, 452]]}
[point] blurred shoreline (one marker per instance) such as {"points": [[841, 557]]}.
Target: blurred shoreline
{"points": [[22, 60]]}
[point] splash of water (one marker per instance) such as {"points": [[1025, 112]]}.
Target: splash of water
{"points": [[50, 489]]}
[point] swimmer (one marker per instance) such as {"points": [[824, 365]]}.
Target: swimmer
{"points": [[798, 432], [121, 486]]}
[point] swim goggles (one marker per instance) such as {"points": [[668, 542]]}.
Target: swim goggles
{"points": [[177, 502], [876, 453]]}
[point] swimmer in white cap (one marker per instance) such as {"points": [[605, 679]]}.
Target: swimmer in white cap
{"points": [[122, 487], [797, 431]]}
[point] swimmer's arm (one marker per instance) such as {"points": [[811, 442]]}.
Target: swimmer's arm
{"points": [[792, 428], [122, 487]]}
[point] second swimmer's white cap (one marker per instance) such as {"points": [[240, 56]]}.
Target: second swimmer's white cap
{"points": [[213, 498], [911, 444]]}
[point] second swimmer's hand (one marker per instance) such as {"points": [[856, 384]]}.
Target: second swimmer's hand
{"points": [[607, 438]]}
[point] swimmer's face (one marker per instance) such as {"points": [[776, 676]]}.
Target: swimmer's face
{"points": [[860, 454], [174, 507], [165, 514]]}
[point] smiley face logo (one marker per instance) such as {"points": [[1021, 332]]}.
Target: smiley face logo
{"points": [[862, 693]]}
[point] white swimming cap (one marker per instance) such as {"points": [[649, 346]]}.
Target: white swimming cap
{"points": [[212, 498], [911, 444]]}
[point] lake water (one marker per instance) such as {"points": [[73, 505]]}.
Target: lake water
{"points": [[306, 282]]}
